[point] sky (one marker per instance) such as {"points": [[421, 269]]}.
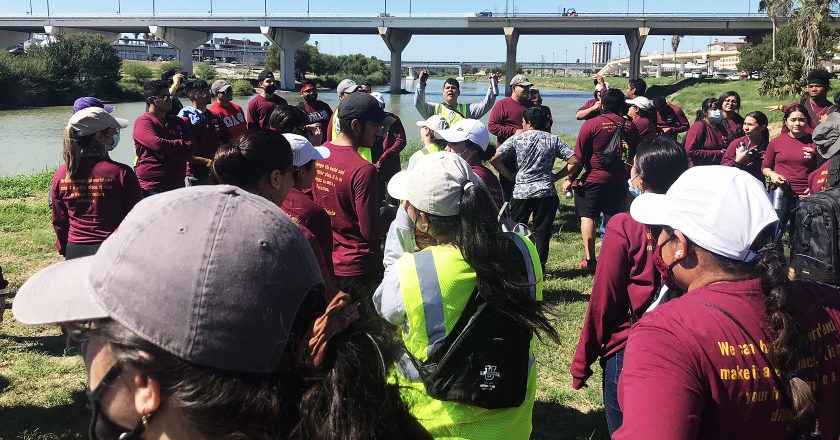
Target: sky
{"points": [[531, 48]]}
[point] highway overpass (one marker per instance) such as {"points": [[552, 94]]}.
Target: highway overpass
{"points": [[290, 31]]}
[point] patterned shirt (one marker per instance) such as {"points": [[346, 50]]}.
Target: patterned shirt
{"points": [[535, 152]]}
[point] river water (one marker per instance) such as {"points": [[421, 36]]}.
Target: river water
{"points": [[31, 139]]}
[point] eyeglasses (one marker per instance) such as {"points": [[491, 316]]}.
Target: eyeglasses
{"points": [[730, 101], [164, 98], [77, 340]]}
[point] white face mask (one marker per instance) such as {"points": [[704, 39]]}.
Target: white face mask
{"points": [[716, 114]]}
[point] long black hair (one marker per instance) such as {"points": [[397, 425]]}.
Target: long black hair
{"points": [[498, 264], [797, 108], [761, 119], [660, 161]]}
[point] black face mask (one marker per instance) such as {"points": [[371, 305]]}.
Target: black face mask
{"points": [[101, 427], [270, 89]]}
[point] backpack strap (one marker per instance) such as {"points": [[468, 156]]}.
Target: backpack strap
{"points": [[833, 179]]}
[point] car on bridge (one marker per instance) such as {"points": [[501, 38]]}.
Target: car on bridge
{"points": [[485, 13]]}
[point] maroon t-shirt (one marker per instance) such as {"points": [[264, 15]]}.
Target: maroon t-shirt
{"points": [[691, 373], [645, 126], [589, 105], [674, 118], [209, 134], [624, 280], [595, 135], [818, 180], [232, 116], [708, 151], [347, 188], [305, 212], [394, 142], [162, 147], [260, 109], [88, 207], [506, 118], [491, 182], [752, 166], [793, 158]]}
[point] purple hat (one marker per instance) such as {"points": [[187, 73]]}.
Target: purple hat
{"points": [[89, 101]]}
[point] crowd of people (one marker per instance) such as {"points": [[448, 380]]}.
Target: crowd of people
{"points": [[312, 289]]}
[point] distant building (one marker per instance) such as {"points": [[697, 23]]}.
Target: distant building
{"points": [[727, 63], [216, 50], [601, 51]]}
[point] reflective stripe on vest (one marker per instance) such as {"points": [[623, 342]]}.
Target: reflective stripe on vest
{"points": [[424, 263], [461, 111], [529, 263]]}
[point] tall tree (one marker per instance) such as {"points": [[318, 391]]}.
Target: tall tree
{"points": [[811, 19], [776, 10], [675, 44]]}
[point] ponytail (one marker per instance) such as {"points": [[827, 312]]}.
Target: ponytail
{"points": [[772, 269], [788, 336], [497, 262], [75, 147]]}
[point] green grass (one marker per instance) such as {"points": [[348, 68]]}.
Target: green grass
{"points": [[41, 388]]}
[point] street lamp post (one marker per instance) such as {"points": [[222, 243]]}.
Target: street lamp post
{"points": [[584, 60], [566, 66], [48, 8], [30, 7], [662, 67], [119, 6], [153, 8], [211, 7]]}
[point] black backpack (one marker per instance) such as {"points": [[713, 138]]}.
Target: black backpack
{"points": [[815, 248], [484, 361], [616, 155]]}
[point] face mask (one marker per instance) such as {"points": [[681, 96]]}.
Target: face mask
{"points": [[311, 97], [422, 239], [270, 89], [666, 272], [635, 192], [116, 141], [716, 114], [103, 428]]}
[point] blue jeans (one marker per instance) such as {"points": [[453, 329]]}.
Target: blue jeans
{"points": [[612, 371]]}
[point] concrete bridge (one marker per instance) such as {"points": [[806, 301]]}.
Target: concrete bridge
{"points": [[290, 31], [414, 66], [677, 60]]}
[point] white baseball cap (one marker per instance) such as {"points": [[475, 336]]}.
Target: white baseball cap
{"points": [[435, 184], [640, 102], [434, 123], [466, 129], [721, 209], [303, 151], [92, 120], [378, 97]]}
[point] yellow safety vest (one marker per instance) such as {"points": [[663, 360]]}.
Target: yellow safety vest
{"points": [[436, 284], [462, 111], [363, 151]]}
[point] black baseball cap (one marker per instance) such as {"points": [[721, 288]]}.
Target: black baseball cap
{"points": [[363, 107], [265, 74]]}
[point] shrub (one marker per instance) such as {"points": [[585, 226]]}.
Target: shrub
{"points": [[242, 87], [205, 71], [137, 72]]}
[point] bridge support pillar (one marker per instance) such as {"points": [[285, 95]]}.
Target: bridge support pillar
{"points": [[183, 40], [460, 72], [289, 42], [410, 74], [59, 30], [396, 41], [635, 41], [512, 40], [11, 38]]}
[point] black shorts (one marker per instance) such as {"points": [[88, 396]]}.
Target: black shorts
{"points": [[592, 199]]}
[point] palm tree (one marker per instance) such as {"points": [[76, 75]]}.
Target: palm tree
{"points": [[675, 44], [811, 17], [775, 9]]}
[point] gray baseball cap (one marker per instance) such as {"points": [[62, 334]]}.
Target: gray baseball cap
{"points": [[211, 274], [346, 85]]}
